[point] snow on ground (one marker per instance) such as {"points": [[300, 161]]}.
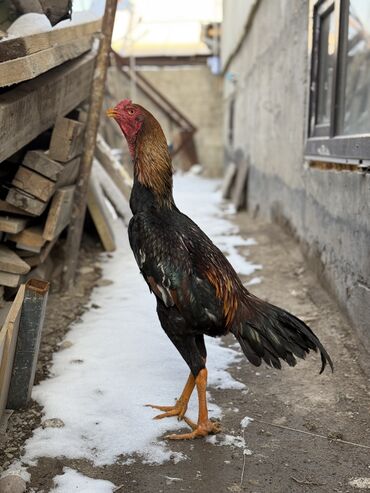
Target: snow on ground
{"points": [[72, 480], [121, 359]]}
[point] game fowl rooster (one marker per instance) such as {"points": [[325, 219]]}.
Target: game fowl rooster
{"points": [[197, 290]]}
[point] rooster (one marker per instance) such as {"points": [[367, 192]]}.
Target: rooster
{"points": [[197, 290]]}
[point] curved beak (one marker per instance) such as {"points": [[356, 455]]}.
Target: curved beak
{"points": [[112, 113]]}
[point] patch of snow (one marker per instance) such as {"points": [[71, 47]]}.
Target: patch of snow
{"points": [[227, 440], [245, 421], [253, 281], [126, 360], [16, 468], [72, 480], [360, 483]]}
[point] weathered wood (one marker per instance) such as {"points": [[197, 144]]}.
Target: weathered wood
{"points": [[30, 66], [10, 224], [29, 239], [28, 343], [34, 260], [113, 167], [102, 217], [10, 262], [97, 94], [5, 207], [26, 202], [239, 192], [33, 183], [20, 47], [56, 92], [228, 181], [59, 213], [112, 192], [63, 174], [39, 161], [66, 139], [9, 279], [8, 338]]}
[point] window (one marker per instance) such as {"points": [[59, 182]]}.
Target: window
{"points": [[339, 110]]}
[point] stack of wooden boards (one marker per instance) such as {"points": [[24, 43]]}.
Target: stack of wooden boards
{"points": [[39, 201]]}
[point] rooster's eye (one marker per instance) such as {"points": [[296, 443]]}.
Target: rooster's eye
{"points": [[130, 112]]}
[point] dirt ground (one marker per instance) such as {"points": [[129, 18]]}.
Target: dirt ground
{"points": [[292, 445]]}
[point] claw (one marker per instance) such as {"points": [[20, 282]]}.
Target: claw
{"points": [[179, 410], [199, 431]]}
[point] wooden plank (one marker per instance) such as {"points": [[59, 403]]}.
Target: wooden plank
{"points": [[28, 343], [56, 92], [9, 279], [29, 239], [24, 201], [66, 139], [114, 194], [30, 66], [5, 207], [239, 192], [10, 262], [63, 174], [228, 181], [96, 203], [9, 224], [22, 46], [8, 338], [35, 260], [39, 161], [113, 167], [59, 214], [33, 183]]}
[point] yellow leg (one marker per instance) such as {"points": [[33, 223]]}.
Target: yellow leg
{"points": [[204, 426], [179, 409]]}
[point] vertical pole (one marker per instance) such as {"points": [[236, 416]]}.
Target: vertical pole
{"points": [[96, 100], [28, 343]]}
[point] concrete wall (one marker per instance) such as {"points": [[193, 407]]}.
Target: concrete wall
{"points": [[328, 211], [197, 94]]}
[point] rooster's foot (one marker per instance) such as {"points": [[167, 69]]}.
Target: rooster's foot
{"points": [[199, 430], [179, 410]]}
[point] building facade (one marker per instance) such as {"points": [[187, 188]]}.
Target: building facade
{"points": [[297, 107]]}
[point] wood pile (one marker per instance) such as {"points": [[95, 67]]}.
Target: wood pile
{"points": [[36, 204], [234, 185]]}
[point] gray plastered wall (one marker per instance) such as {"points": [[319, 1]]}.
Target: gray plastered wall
{"points": [[327, 210]]}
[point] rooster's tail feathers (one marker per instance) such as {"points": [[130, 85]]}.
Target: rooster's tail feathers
{"points": [[270, 333]]}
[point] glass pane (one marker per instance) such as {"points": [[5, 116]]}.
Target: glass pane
{"points": [[326, 68], [357, 86]]}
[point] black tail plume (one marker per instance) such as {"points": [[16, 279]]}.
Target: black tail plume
{"points": [[267, 332]]}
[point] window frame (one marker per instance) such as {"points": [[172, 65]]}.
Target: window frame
{"points": [[349, 149]]}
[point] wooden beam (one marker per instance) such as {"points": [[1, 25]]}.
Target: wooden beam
{"points": [[8, 279], [29, 239], [57, 93], [66, 139], [23, 46], [8, 338], [28, 343], [33, 260], [97, 94], [5, 207], [33, 183], [26, 202], [30, 66], [113, 167], [101, 215], [61, 173], [59, 213], [11, 224], [10, 262]]}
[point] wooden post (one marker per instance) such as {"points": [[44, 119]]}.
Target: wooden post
{"points": [[28, 343], [96, 100]]}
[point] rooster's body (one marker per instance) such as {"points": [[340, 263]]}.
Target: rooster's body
{"points": [[198, 292]]}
